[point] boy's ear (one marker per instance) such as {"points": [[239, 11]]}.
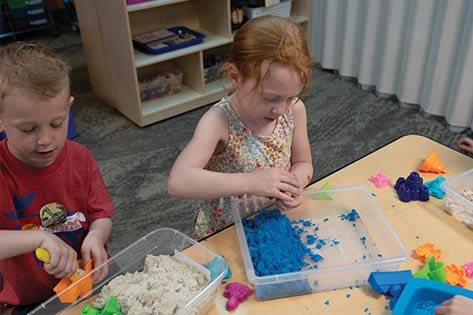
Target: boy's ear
{"points": [[233, 76], [71, 100]]}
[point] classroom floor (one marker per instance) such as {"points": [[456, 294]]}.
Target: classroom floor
{"points": [[344, 124]]}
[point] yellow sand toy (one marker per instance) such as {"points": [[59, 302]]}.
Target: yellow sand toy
{"points": [[81, 278]]}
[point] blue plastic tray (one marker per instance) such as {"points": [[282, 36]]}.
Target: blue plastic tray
{"points": [[428, 292], [147, 48]]}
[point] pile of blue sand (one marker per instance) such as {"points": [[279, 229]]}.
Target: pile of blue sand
{"points": [[350, 216], [424, 307], [274, 245]]}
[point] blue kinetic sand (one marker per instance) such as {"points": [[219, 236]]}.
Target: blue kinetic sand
{"points": [[270, 255], [322, 245], [421, 296]]}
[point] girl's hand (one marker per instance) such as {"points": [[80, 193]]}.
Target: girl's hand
{"points": [[276, 183], [458, 305], [93, 248], [466, 144], [63, 258], [295, 202], [284, 205]]}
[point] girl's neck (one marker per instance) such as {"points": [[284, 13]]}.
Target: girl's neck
{"points": [[247, 118]]}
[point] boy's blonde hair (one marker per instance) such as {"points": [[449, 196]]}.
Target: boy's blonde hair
{"points": [[34, 69], [272, 39]]}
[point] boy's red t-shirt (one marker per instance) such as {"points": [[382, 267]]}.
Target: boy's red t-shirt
{"points": [[62, 198]]}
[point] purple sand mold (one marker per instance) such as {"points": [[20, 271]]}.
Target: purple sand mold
{"points": [[411, 188]]}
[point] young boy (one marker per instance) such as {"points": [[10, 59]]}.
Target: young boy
{"points": [[52, 194]]}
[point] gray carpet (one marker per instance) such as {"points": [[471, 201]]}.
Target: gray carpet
{"points": [[344, 123]]}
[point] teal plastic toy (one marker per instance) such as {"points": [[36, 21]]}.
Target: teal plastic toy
{"points": [[215, 267], [434, 187]]}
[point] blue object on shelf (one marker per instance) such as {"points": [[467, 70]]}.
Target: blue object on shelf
{"points": [[71, 129], [151, 44], [421, 293]]}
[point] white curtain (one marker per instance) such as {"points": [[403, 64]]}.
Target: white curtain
{"points": [[420, 51]]}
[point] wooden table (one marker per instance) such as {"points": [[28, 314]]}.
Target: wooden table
{"points": [[415, 222]]}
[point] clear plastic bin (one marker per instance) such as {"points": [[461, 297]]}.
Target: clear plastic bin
{"points": [[459, 196], [365, 245], [163, 84], [163, 241]]}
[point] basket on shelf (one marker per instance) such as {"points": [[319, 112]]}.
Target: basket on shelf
{"points": [[282, 9]]}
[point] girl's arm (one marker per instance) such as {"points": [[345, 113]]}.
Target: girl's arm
{"points": [[301, 157], [189, 179]]}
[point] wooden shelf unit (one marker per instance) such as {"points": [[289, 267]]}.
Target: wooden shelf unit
{"points": [[115, 66]]}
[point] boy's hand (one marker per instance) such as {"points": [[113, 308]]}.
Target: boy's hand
{"points": [[277, 183], [93, 248], [63, 258]]}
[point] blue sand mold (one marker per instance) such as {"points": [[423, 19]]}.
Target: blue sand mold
{"points": [[390, 282], [428, 291]]}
